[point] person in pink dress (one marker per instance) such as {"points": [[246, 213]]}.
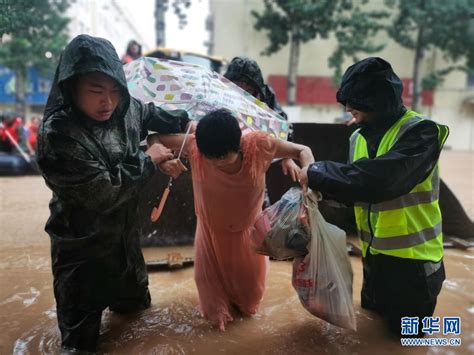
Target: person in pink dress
{"points": [[228, 174]]}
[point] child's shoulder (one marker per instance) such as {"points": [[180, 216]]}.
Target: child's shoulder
{"points": [[259, 145], [259, 140], [256, 136]]}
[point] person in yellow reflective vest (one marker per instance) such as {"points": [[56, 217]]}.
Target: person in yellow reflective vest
{"points": [[392, 179]]}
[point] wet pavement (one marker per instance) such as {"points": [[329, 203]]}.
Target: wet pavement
{"points": [[173, 324]]}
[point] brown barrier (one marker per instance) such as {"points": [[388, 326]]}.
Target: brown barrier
{"points": [[327, 141]]}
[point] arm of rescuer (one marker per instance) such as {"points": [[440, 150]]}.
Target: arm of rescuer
{"points": [[283, 149], [77, 176], [302, 153], [153, 118], [166, 122], [409, 161], [173, 167], [83, 178]]}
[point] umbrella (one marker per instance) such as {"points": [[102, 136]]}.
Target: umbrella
{"points": [[177, 85]]}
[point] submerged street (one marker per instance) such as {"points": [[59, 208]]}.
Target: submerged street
{"points": [[173, 324]]}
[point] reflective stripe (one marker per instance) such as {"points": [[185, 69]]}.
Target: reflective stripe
{"points": [[431, 268], [403, 241], [406, 126], [390, 137], [352, 145], [411, 199], [407, 200]]}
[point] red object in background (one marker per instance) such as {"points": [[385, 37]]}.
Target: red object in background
{"points": [[309, 90], [320, 90], [427, 96], [33, 133], [12, 128]]}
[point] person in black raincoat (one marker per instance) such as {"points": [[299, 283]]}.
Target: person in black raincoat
{"points": [[245, 73], [134, 51], [89, 155], [395, 286]]}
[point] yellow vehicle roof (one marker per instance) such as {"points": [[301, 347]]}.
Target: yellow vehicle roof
{"points": [[174, 52]]}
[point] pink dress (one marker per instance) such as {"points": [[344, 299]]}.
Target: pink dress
{"points": [[227, 271]]}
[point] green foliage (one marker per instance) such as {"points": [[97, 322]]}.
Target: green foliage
{"points": [[304, 20], [468, 40], [299, 20], [29, 29], [434, 79], [179, 9], [447, 26], [354, 28]]}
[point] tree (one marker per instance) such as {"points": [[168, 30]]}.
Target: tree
{"points": [[424, 25], [32, 34], [161, 6], [299, 21], [354, 27]]}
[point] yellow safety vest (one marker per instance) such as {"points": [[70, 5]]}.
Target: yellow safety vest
{"points": [[408, 226]]}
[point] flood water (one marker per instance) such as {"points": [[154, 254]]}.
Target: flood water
{"points": [[173, 324]]}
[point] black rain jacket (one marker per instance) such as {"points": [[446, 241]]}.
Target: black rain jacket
{"points": [[247, 70], [96, 170], [371, 86]]}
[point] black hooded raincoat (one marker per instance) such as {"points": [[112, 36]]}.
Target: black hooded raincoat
{"points": [[95, 170], [372, 86], [247, 70], [392, 286]]}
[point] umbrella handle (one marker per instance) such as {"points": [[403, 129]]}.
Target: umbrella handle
{"points": [[184, 141], [156, 212]]}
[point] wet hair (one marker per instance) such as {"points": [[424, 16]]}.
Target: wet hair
{"points": [[218, 133]]}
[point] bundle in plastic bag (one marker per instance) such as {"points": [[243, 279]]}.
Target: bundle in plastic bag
{"points": [[323, 278], [282, 230]]}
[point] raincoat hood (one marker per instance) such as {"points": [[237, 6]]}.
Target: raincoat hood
{"points": [[86, 54], [372, 86], [246, 70]]}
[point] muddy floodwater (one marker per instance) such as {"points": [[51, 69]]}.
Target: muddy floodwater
{"points": [[173, 324]]}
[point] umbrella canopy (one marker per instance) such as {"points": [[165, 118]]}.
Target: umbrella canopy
{"points": [[177, 85]]}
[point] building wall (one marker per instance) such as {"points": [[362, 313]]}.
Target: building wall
{"points": [[105, 18], [108, 19], [234, 35]]}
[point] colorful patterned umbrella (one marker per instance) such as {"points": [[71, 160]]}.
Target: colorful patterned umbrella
{"points": [[177, 85]]}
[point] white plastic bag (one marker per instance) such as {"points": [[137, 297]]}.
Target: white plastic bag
{"points": [[282, 231], [323, 278]]}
